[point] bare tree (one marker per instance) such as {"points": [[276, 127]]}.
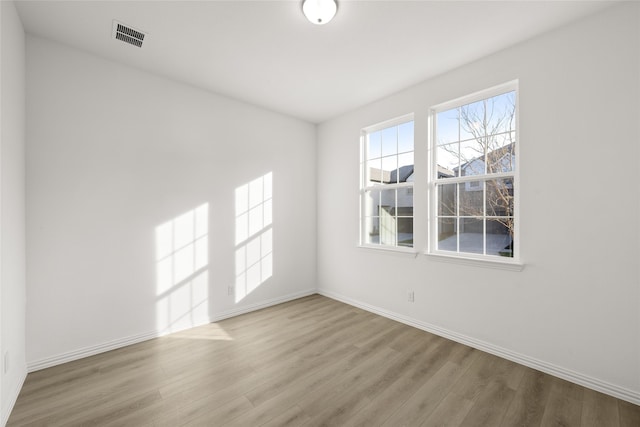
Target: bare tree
{"points": [[487, 146]]}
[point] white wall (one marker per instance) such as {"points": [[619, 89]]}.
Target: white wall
{"points": [[12, 207], [113, 153], [574, 309]]}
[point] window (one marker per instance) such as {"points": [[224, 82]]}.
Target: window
{"points": [[473, 180], [387, 184]]}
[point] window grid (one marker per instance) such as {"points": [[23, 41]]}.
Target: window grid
{"points": [[498, 172], [388, 223]]}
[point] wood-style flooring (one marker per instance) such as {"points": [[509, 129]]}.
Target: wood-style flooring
{"points": [[309, 362]]}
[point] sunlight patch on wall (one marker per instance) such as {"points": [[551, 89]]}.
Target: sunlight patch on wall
{"points": [[254, 235], [182, 276]]}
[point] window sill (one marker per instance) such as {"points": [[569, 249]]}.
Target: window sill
{"points": [[390, 249], [476, 262]]}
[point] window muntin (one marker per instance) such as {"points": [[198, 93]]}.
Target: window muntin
{"points": [[473, 176], [387, 184]]}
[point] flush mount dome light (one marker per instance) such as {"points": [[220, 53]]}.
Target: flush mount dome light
{"points": [[319, 12]]}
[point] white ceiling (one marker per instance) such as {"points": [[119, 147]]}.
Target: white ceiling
{"points": [[266, 52]]}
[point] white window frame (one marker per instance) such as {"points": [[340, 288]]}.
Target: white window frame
{"points": [[510, 263], [365, 187]]}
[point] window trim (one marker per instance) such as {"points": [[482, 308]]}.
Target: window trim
{"points": [[406, 118], [514, 263], [462, 259]]}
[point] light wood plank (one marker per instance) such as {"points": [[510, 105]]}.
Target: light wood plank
{"points": [[530, 400], [451, 412], [393, 397], [427, 398], [290, 418], [629, 414], [313, 362], [564, 406], [490, 406], [599, 410]]}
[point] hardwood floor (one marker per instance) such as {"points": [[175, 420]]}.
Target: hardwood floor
{"points": [[309, 362]]}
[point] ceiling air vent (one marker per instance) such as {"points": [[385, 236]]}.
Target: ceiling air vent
{"points": [[127, 34]]}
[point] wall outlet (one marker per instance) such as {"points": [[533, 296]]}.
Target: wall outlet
{"points": [[410, 296], [230, 290], [6, 362]]}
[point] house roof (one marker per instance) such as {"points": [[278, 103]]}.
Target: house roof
{"points": [[389, 177], [444, 172], [493, 155], [403, 173]]}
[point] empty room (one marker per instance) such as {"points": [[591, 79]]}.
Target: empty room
{"points": [[320, 213]]}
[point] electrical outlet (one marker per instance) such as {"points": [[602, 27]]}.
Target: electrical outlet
{"points": [[6, 362], [410, 296], [230, 290]]}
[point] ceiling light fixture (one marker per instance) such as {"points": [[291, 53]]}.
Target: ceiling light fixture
{"points": [[319, 12]]}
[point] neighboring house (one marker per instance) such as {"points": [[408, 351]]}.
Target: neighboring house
{"points": [[379, 175], [498, 191], [501, 159], [395, 223], [404, 195], [471, 199], [396, 205], [396, 217], [445, 173]]}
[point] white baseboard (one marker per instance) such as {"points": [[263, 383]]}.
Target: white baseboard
{"points": [[123, 342], [81, 353], [263, 304], [546, 367], [12, 399]]}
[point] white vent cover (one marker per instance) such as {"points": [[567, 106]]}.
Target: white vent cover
{"points": [[127, 34]]}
